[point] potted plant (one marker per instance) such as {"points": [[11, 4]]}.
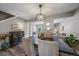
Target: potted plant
{"points": [[72, 41], [5, 44], [4, 37]]}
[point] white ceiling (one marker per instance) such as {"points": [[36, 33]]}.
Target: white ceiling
{"points": [[27, 10]]}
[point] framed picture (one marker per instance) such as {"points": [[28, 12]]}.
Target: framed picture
{"points": [[39, 28]]}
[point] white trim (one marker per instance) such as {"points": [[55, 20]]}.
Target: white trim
{"points": [[7, 19]]}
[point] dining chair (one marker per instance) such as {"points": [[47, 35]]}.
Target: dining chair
{"points": [[28, 46], [48, 48]]}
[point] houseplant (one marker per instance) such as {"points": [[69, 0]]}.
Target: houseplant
{"points": [[72, 41], [5, 44]]}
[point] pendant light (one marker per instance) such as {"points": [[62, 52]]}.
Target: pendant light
{"points": [[40, 16]]}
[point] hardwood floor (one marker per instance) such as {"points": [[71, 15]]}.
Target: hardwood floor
{"points": [[13, 51], [19, 51]]}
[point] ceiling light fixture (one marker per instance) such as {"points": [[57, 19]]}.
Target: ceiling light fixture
{"points": [[40, 16], [47, 24]]}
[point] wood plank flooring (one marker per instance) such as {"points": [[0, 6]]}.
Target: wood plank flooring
{"points": [[19, 51]]}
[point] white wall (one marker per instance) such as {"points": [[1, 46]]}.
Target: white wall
{"points": [[71, 24], [5, 26], [26, 29]]}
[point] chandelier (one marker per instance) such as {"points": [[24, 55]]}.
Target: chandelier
{"points": [[40, 16]]}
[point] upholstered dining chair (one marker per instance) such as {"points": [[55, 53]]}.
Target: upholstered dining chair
{"points": [[48, 48], [28, 46]]}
